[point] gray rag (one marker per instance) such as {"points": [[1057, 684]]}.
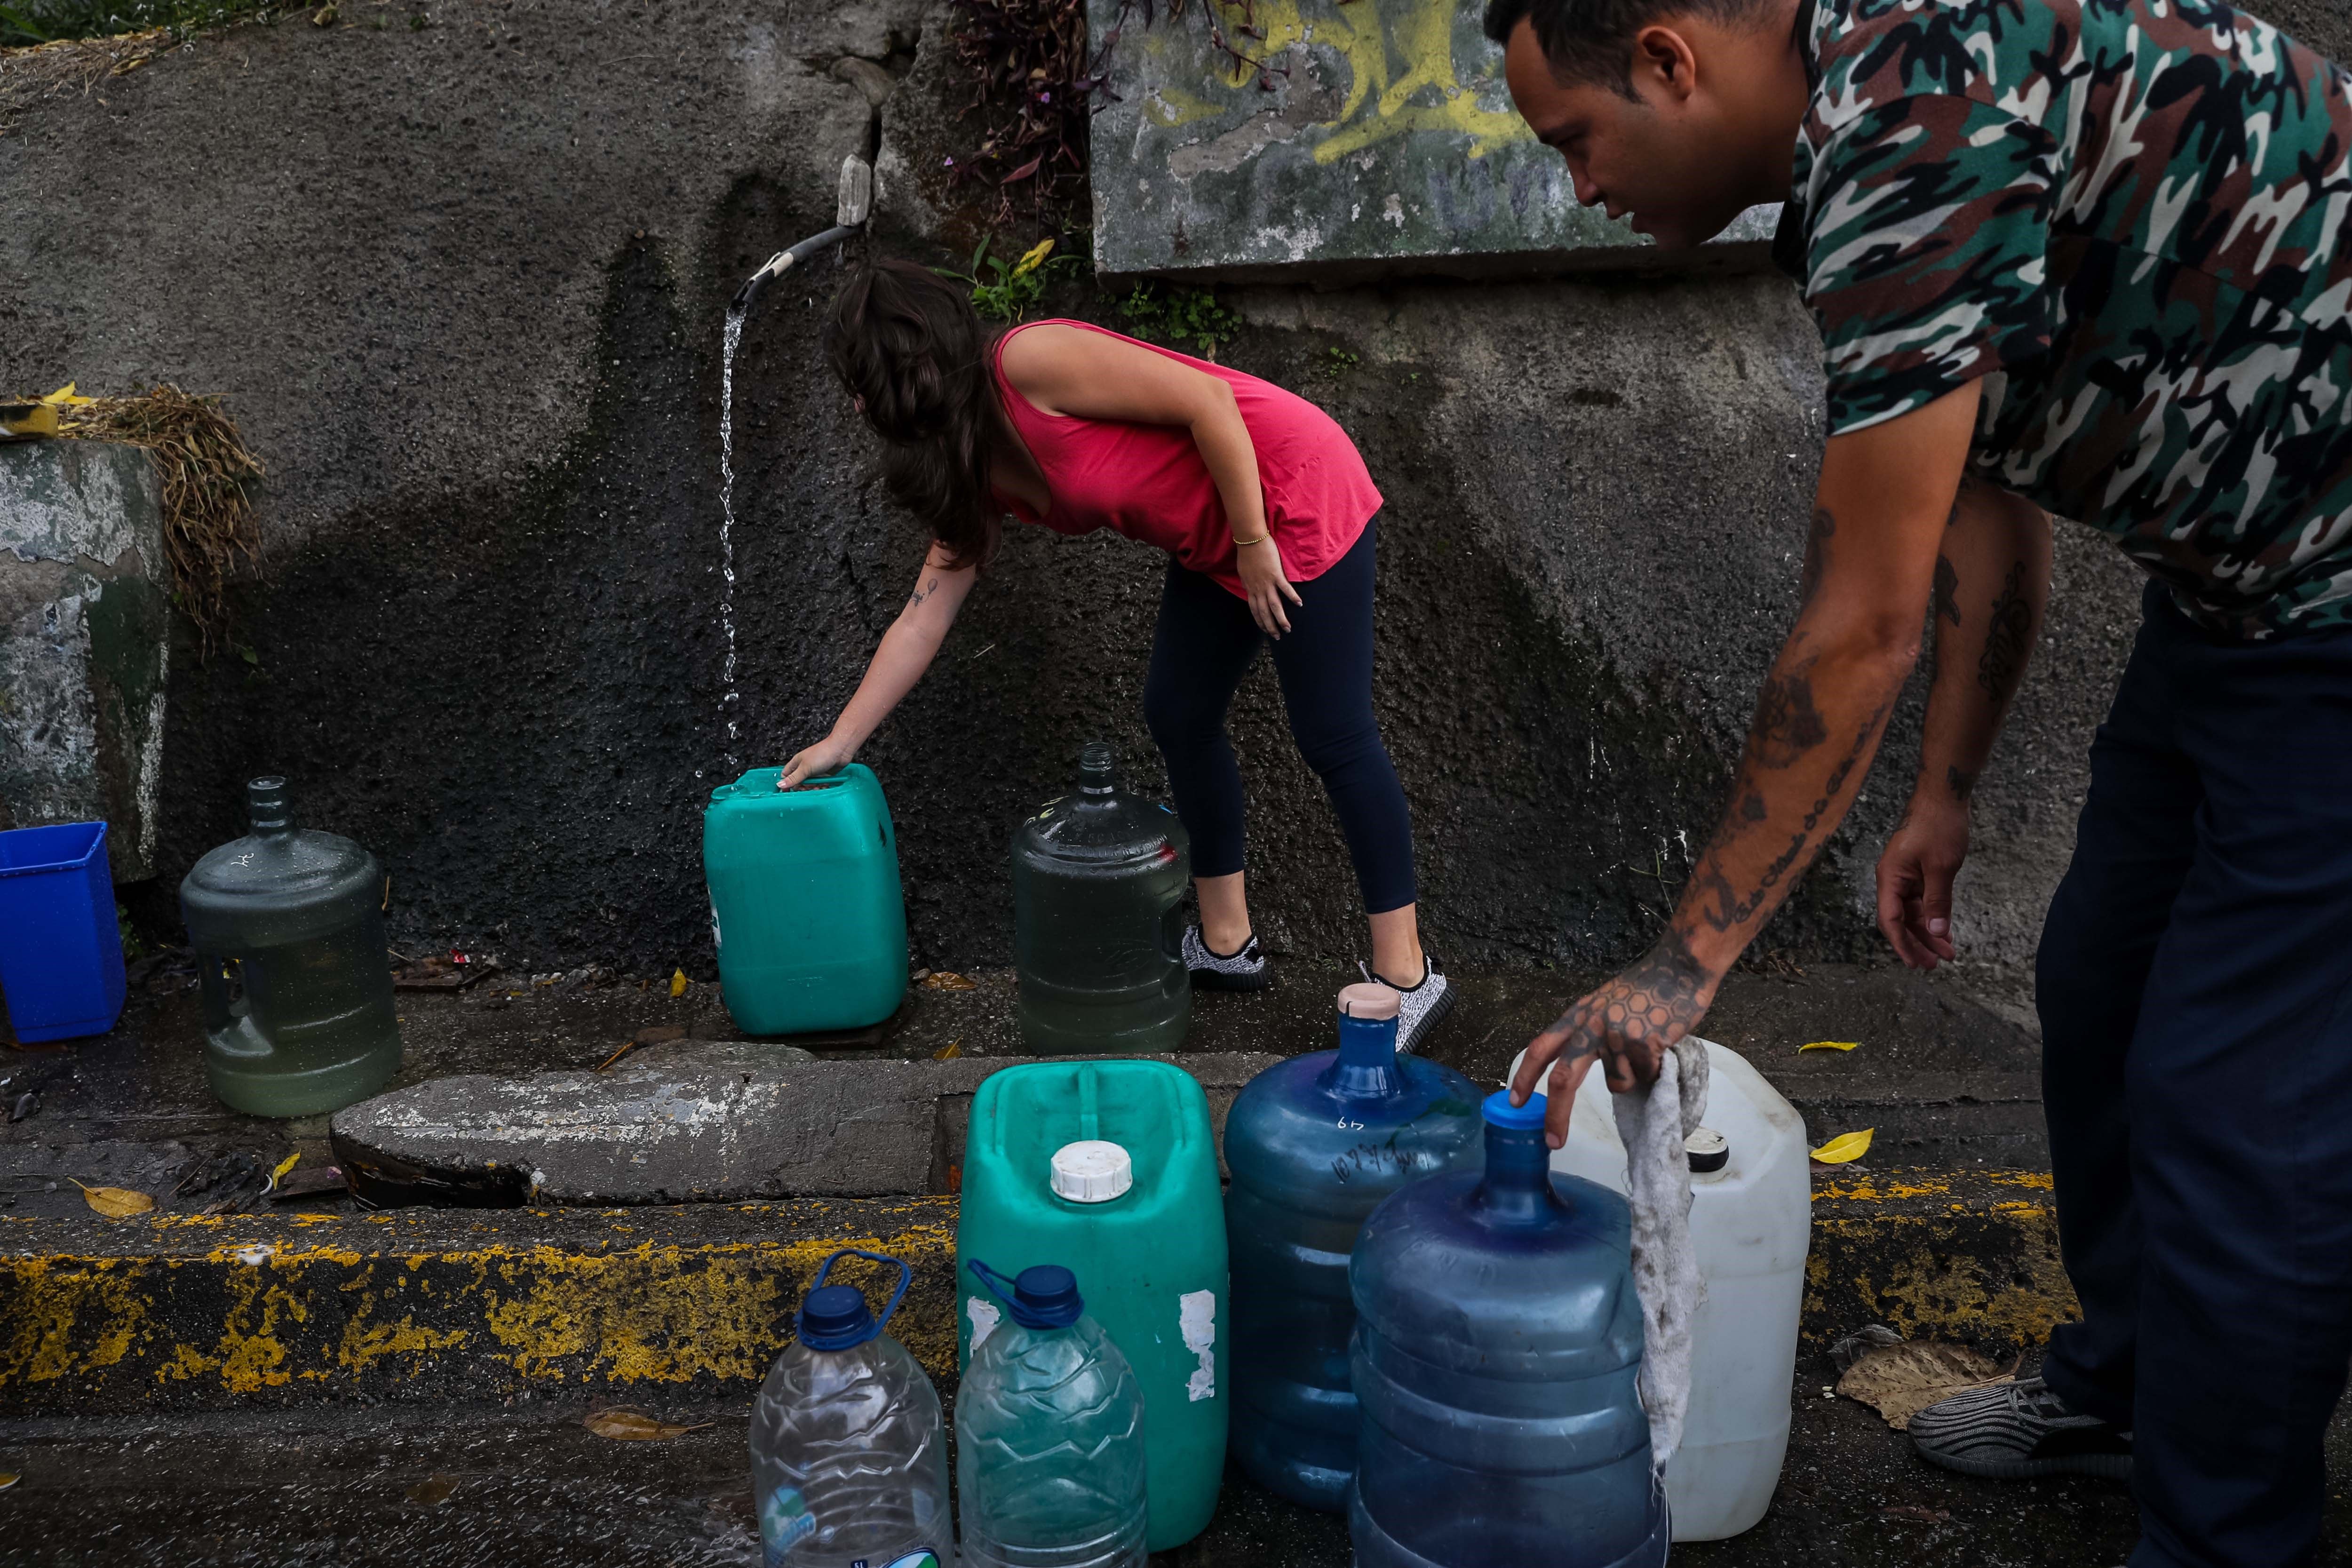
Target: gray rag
{"points": [[1653, 1123]]}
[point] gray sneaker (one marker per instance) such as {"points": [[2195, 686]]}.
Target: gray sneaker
{"points": [[1211, 970], [2010, 1431], [1423, 1005]]}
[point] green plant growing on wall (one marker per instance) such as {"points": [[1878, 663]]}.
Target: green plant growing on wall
{"points": [[1181, 315], [1005, 291], [1338, 363]]}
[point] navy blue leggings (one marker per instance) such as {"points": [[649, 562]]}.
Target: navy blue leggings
{"points": [[1200, 651], [2196, 1006]]}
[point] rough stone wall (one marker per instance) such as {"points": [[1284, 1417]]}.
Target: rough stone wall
{"points": [[464, 285]]}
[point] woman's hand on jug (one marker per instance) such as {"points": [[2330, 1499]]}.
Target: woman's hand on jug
{"points": [[1627, 1025], [827, 756]]}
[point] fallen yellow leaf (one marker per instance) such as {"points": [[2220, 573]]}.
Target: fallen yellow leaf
{"points": [[8, 1480], [115, 1203], [948, 1052], [1033, 259], [1829, 1045], [65, 397], [1843, 1148], [284, 1165], [941, 980], [432, 1490], [679, 982], [634, 1426]]}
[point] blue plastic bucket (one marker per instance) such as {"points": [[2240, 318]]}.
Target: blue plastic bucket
{"points": [[60, 949]]}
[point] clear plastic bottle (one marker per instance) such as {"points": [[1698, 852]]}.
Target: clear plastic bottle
{"points": [[1499, 1338], [1099, 881], [1315, 1143], [287, 925], [1049, 1435], [849, 1459]]}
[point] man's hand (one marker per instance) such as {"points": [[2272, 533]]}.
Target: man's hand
{"points": [[1914, 878], [1627, 1024], [1259, 566]]}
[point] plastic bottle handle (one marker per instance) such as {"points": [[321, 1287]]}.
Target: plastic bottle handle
{"points": [[905, 1278]]}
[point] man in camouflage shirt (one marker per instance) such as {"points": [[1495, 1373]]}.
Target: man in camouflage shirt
{"points": [[2092, 257]]}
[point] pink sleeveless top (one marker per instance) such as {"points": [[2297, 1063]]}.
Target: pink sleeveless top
{"points": [[1148, 482]]}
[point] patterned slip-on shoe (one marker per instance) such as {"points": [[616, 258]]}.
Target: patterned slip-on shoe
{"points": [[1247, 970], [2011, 1431], [1423, 1005]]}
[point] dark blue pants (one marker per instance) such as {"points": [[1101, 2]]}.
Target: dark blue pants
{"points": [[1202, 647], [2195, 982]]}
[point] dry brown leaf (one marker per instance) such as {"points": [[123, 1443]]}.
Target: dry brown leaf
{"points": [[624, 1426], [432, 1490], [8, 1480], [948, 1052], [1900, 1381], [115, 1203], [942, 979]]}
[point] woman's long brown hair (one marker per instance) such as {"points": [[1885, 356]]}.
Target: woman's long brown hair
{"points": [[907, 344]]}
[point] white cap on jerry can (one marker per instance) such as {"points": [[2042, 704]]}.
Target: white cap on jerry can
{"points": [[1092, 1171]]}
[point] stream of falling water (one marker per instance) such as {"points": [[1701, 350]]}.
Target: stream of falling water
{"points": [[727, 519]]}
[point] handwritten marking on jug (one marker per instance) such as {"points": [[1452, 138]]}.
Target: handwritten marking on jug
{"points": [[984, 1319], [1196, 1315]]}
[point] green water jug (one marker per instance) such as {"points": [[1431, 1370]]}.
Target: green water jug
{"points": [[1109, 1170], [805, 908], [287, 928], [1099, 881]]}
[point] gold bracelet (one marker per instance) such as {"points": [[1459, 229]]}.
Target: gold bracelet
{"points": [[1261, 539]]}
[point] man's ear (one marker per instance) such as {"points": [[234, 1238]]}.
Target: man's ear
{"points": [[1664, 63]]}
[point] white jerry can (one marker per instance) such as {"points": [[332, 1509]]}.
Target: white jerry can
{"points": [[1751, 1222]]}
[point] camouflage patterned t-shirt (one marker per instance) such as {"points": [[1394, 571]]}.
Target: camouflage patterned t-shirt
{"points": [[2129, 218]]}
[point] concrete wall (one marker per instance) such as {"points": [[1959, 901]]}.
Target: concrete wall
{"points": [[463, 286]]}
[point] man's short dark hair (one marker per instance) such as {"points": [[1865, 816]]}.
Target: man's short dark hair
{"points": [[1592, 41]]}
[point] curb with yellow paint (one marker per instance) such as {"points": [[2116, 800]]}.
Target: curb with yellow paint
{"points": [[436, 1304]]}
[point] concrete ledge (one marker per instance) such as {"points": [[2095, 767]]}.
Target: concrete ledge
{"points": [[1965, 1255], [437, 1304]]}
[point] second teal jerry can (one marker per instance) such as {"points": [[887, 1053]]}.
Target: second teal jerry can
{"points": [[806, 906]]}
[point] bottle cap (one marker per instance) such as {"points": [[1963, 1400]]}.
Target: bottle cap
{"points": [[835, 1317], [1092, 1171], [1044, 1297], [1369, 999], [1501, 1112], [1709, 1151]]}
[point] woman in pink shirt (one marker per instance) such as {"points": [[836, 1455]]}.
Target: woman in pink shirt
{"points": [[1264, 508]]}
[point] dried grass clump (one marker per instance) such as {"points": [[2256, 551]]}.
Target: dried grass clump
{"points": [[28, 76], [209, 526]]}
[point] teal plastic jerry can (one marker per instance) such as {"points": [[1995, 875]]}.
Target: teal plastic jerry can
{"points": [[806, 907], [1109, 1170]]}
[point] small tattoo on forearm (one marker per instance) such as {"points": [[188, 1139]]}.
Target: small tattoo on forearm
{"points": [[2009, 639], [930, 587], [1946, 599], [1964, 784], [1817, 553], [1786, 725]]}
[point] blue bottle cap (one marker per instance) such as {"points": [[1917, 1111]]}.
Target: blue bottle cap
{"points": [[1501, 1112], [1044, 1297], [835, 1317]]}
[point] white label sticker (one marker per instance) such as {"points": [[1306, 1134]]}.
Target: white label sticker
{"points": [[984, 1319], [1196, 1316]]}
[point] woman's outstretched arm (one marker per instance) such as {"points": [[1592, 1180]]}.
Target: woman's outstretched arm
{"points": [[907, 650], [1086, 376]]}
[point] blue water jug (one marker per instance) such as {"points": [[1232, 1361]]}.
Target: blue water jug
{"points": [[1497, 1341], [1315, 1143]]}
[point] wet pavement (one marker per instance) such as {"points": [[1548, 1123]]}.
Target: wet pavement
{"points": [[1945, 1079], [524, 1484]]}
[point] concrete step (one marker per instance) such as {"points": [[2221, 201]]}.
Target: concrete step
{"points": [[238, 1311], [520, 1484]]}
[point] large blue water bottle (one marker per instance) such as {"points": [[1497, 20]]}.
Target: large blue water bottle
{"points": [[1315, 1143], [1497, 1341]]}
